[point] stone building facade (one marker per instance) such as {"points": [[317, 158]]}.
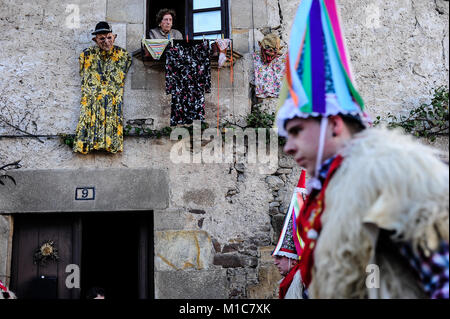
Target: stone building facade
{"points": [[213, 225]]}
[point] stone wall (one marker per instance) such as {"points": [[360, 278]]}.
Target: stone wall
{"points": [[214, 238]]}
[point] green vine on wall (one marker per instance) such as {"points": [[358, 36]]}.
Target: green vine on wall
{"points": [[428, 120], [256, 119], [259, 119]]}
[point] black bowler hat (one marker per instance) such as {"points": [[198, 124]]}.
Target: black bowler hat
{"points": [[102, 27]]}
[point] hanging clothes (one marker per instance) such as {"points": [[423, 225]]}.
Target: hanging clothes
{"points": [[155, 47], [268, 76], [188, 77], [100, 126], [223, 45]]}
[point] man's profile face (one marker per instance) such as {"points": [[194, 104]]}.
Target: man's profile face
{"points": [[284, 264], [166, 23], [302, 142], [105, 41]]}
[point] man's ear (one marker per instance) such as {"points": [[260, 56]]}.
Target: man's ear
{"points": [[94, 39], [337, 125]]}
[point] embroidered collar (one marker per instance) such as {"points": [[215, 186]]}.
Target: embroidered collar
{"points": [[316, 183], [323, 172]]}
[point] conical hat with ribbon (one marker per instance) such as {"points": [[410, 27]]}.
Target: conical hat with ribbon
{"points": [[289, 244], [318, 80], [286, 245]]}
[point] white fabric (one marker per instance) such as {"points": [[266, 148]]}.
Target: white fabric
{"points": [[289, 111], [223, 44], [391, 181], [295, 290], [286, 254]]}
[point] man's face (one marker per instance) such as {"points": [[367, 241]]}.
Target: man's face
{"points": [[105, 41], [284, 264], [166, 23], [302, 142]]}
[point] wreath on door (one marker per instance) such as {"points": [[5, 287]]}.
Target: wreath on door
{"points": [[45, 253]]}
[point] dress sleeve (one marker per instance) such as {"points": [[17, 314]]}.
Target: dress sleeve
{"points": [[207, 70], [169, 71], [81, 60], [128, 62]]}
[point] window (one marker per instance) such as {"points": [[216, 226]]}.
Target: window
{"points": [[195, 18], [207, 18]]}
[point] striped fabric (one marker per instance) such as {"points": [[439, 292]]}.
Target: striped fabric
{"points": [[155, 47]]}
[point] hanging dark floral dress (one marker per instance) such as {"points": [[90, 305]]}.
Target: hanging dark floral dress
{"points": [[188, 77], [100, 126]]}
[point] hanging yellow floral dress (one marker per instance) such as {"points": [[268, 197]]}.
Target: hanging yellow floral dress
{"points": [[100, 126]]}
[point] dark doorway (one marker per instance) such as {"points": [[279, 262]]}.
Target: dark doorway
{"points": [[114, 251], [112, 254], [153, 6]]}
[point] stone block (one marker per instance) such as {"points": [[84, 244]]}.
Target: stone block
{"points": [[180, 250], [265, 254], [134, 36], [216, 245], [284, 170], [171, 219], [273, 14], [148, 79], [277, 224], [267, 287], [274, 211], [229, 261], [206, 284], [115, 190], [286, 162], [244, 15], [93, 11], [274, 182], [130, 11], [231, 248], [204, 197], [121, 30], [241, 40]]}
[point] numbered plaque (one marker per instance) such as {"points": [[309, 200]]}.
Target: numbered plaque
{"points": [[85, 193]]}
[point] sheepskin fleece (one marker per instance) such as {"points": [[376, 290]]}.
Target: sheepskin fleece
{"points": [[295, 290], [386, 181]]}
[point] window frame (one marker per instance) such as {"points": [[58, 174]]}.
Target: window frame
{"points": [[225, 23]]}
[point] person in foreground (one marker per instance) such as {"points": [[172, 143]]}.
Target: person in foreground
{"points": [[375, 223]]}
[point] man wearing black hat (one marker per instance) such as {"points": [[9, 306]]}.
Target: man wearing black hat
{"points": [[103, 69]]}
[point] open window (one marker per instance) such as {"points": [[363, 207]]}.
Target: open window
{"points": [[195, 18]]}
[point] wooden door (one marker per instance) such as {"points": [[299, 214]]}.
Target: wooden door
{"points": [[30, 280]]}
